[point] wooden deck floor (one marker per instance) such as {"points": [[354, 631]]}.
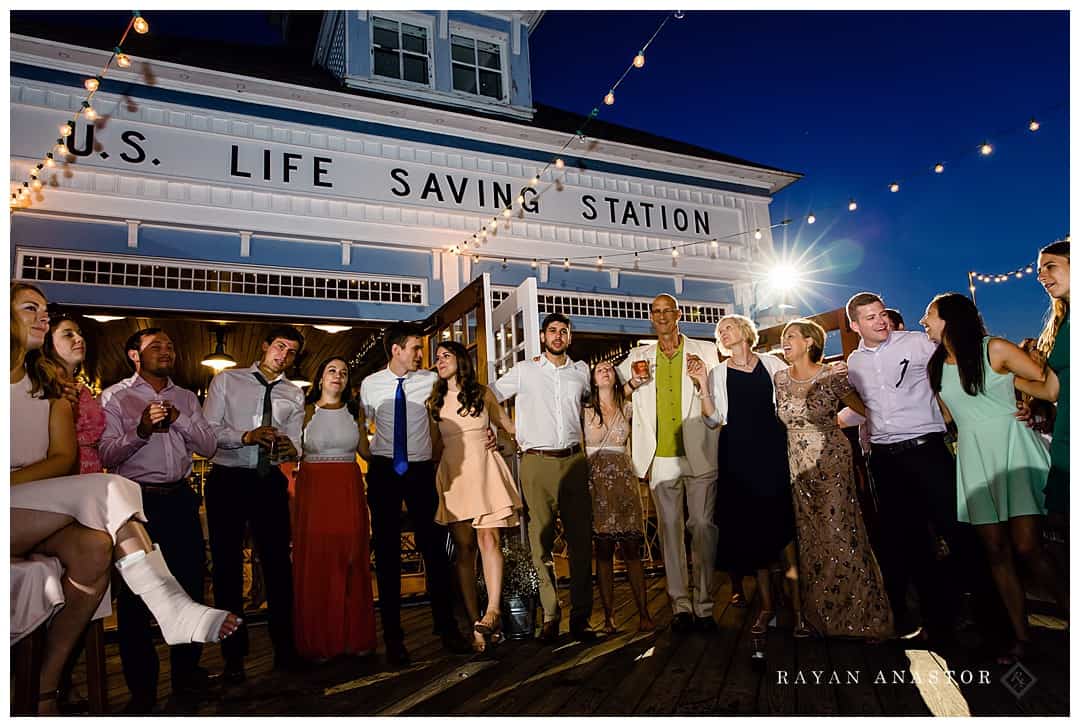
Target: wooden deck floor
{"points": [[661, 673]]}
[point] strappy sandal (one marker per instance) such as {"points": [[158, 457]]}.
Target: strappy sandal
{"points": [[738, 600], [52, 695], [762, 623], [802, 630], [488, 629]]}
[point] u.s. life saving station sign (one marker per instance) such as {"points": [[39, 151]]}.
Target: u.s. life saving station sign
{"points": [[353, 172]]}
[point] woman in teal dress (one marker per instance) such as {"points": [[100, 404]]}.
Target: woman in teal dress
{"points": [[1001, 465], [1054, 346]]}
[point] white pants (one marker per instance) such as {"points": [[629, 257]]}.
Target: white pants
{"points": [[671, 483]]}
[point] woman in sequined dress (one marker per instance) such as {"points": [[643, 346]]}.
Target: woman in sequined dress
{"points": [[842, 590]]}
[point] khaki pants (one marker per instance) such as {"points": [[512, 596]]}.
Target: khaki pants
{"points": [[560, 485]]}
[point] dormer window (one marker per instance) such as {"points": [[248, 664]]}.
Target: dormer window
{"points": [[401, 50], [477, 66]]}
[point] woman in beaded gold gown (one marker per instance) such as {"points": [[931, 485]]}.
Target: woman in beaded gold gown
{"points": [[843, 593]]}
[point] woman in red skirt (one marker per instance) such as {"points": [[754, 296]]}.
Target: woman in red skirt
{"points": [[334, 605]]}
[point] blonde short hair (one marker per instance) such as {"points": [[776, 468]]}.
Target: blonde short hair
{"points": [[812, 330], [746, 328]]}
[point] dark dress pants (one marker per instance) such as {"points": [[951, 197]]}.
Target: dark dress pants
{"points": [[386, 490], [236, 496], [916, 491], [174, 525]]}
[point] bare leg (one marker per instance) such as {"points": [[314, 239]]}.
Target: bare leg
{"points": [[635, 573], [1026, 535], [465, 563], [605, 577], [996, 540], [791, 574], [768, 608], [492, 560], [86, 557]]}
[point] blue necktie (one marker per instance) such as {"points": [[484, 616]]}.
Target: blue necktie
{"points": [[401, 453]]}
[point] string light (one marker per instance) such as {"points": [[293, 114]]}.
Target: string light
{"points": [[609, 100], [65, 130], [985, 149], [757, 234], [714, 242], [674, 252], [559, 163], [140, 25], [534, 181], [566, 263], [1029, 270], [521, 199], [811, 219], [506, 212], [599, 260], [60, 148], [91, 84], [533, 264], [1033, 125], [49, 161], [852, 206], [639, 59], [894, 187], [121, 59], [36, 184], [939, 168]]}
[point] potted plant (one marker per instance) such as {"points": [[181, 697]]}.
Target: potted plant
{"points": [[520, 590]]}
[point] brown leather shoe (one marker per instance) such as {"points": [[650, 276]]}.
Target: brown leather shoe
{"points": [[549, 632]]}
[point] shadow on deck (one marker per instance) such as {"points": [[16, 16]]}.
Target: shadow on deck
{"points": [[630, 673]]}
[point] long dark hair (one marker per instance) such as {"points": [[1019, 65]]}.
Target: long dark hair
{"points": [[593, 400], [1059, 307], [346, 393], [471, 394], [46, 369], [964, 331]]}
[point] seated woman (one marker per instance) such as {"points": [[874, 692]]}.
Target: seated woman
{"points": [[86, 521]]}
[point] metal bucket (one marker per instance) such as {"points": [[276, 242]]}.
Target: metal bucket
{"points": [[519, 617]]}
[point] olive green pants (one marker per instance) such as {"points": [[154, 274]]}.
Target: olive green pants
{"points": [[560, 485]]}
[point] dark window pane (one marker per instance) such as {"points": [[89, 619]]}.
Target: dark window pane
{"points": [[386, 64], [487, 55], [464, 79], [414, 38], [385, 33], [461, 49], [491, 84], [415, 69]]}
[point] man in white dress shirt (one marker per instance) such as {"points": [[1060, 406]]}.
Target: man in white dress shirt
{"points": [[256, 414], [675, 449], [401, 469], [554, 472]]}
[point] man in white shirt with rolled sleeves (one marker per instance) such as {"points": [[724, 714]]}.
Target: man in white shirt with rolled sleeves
{"points": [[554, 472], [674, 448]]}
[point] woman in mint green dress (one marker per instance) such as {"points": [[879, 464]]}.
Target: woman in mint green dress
{"points": [[1054, 346], [1001, 464]]}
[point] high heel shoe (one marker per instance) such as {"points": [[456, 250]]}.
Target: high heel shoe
{"points": [[764, 620], [489, 628], [182, 620], [802, 630]]}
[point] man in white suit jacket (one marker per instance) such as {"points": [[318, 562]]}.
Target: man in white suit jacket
{"points": [[674, 448]]}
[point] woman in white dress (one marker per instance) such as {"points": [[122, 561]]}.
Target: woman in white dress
{"points": [[85, 521]]}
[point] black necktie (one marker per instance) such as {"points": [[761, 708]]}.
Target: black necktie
{"points": [[264, 466]]}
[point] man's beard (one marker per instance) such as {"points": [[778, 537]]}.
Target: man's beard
{"points": [[163, 372], [552, 351]]}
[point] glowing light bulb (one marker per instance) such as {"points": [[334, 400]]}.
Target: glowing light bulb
{"points": [[483, 232], [811, 219], [894, 187], [715, 244], [90, 113], [476, 258], [91, 84], [60, 148], [140, 25], [609, 100], [559, 163], [639, 59], [494, 223], [971, 288], [36, 184], [1028, 270], [465, 244], [534, 181], [566, 263], [939, 168], [985, 149], [49, 161], [757, 234], [122, 60], [679, 15], [35, 172], [852, 206], [506, 212], [65, 130], [454, 250], [1019, 274], [533, 264], [599, 259], [674, 252], [1033, 125]]}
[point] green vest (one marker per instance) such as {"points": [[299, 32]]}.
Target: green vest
{"points": [[669, 383]]}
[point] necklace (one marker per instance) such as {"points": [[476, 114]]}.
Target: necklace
{"points": [[748, 366], [804, 381]]}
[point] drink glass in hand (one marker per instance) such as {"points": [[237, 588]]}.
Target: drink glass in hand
{"points": [[163, 425], [641, 369]]}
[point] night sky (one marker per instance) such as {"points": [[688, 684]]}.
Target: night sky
{"points": [[855, 101], [852, 100]]}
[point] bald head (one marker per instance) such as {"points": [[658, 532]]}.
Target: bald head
{"points": [[665, 315]]}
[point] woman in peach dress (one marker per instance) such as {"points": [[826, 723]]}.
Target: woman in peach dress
{"points": [[477, 493]]}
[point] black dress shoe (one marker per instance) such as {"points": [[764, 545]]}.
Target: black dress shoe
{"points": [[455, 643], [682, 623], [585, 635], [139, 706], [704, 624], [234, 673], [549, 632], [396, 654]]}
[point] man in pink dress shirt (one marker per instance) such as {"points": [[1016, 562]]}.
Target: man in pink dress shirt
{"points": [[152, 427]]}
